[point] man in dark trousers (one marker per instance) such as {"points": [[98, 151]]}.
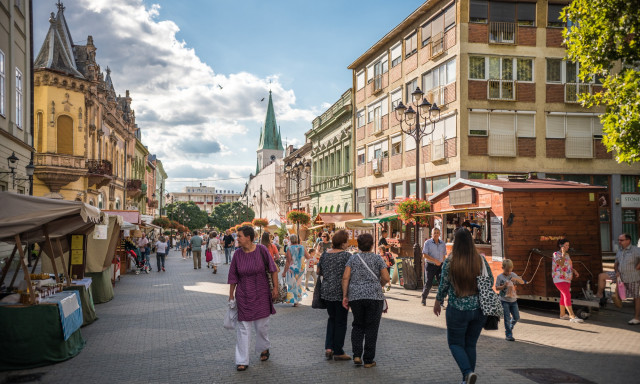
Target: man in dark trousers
{"points": [[382, 243], [434, 252], [228, 246]]}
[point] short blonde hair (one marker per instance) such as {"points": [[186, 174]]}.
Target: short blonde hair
{"points": [[507, 263]]}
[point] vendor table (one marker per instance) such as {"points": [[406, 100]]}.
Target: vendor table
{"points": [[37, 335], [83, 287], [101, 287]]}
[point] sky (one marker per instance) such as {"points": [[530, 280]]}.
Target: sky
{"points": [[197, 70]]}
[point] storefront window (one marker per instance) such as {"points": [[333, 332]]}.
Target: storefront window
{"points": [[629, 184], [412, 188], [630, 223]]}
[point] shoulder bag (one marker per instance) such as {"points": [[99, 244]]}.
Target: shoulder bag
{"points": [[318, 302], [489, 301], [282, 288], [385, 306]]}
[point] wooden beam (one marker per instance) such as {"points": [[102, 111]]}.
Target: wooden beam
{"points": [[8, 265], [27, 277], [35, 264], [15, 274], [50, 252], [64, 266]]}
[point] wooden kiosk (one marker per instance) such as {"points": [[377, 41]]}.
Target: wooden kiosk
{"points": [[522, 219]]}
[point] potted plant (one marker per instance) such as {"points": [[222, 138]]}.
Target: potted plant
{"points": [[408, 207], [260, 222]]}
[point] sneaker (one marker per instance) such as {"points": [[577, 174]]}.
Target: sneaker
{"points": [[634, 321], [163, 269], [471, 378], [577, 320], [424, 303], [510, 338], [565, 317]]}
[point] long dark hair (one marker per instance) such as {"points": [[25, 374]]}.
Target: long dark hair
{"points": [[265, 240], [465, 264]]}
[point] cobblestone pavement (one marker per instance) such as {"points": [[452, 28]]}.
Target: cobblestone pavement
{"points": [[167, 328]]}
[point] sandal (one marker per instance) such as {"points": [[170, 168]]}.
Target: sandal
{"points": [[264, 356], [328, 355], [242, 367]]}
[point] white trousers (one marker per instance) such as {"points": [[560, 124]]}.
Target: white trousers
{"points": [[243, 338]]}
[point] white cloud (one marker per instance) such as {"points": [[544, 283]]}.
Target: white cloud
{"points": [[179, 100]]}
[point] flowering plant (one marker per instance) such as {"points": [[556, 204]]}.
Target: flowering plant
{"points": [[245, 224], [260, 222], [408, 207], [299, 217]]}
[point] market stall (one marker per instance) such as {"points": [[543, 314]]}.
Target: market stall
{"points": [[522, 220], [39, 322]]}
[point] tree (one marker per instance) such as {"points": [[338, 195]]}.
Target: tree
{"points": [[604, 42], [162, 222], [187, 214], [226, 215]]}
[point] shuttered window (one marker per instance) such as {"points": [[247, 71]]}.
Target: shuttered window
{"points": [[555, 127], [426, 33], [525, 125], [409, 143], [450, 127], [396, 55], [410, 45], [478, 123], [450, 16], [597, 126], [502, 138], [360, 80], [579, 140]]}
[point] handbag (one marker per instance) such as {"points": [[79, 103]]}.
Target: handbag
{"points": [[318, 302], [208, 255], [282, 288], [266, 269], [489, 301], [231, 317], [385, 305], [622, 290]]}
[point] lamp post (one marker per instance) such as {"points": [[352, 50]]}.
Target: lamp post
{"points": [[261, 192], [11, 163], [410, 120], [299, 171]]}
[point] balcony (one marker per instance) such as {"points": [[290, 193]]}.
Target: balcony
{"points": [[501, 145], [501, 90], [100, 173], [572, 91], [437, 45], [377, 84], [56, 170], [134, 188], [436, 95], [502, 32], [376, 166]]}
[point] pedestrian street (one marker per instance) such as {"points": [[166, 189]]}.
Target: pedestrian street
{"points": [[166, 327]]}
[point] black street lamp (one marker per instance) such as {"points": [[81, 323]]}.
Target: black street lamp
{"points": [[410, 125], [299, 171], [11, 163]]}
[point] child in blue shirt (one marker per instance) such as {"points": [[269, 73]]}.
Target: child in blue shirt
{"points": [[505, 285]]}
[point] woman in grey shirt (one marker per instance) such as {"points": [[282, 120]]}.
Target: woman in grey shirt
{"points": [[364, 276], [331, 268]]}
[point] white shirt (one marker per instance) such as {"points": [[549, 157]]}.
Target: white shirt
{"points": [[161, 247]]}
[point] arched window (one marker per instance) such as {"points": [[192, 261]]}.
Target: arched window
{"points": [[65, 135], [92, 203], [315, 211], [346, 207], [331, 209], [117, 203], [338, 208], [100, 201], [39, 132]]}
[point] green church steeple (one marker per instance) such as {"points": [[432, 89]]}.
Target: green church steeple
{"points": [[270, 134]]}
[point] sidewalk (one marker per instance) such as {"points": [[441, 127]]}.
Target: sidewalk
{"points": [[166, 327]]}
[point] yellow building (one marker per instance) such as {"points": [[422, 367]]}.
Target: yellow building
{"points": [[84, 133]]}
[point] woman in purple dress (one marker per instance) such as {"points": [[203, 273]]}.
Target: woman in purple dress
{"points": [[250, 289]]}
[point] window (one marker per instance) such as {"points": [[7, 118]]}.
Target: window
{"points": [[40, 131], [361, 156], [450, 17], [478, 11], [409, 143], [578, 130], [478, 123], [398, 190], [376, 111], [411, 86], [438, 77], [396, 55], [360, 117], [500, 68], [476, 67], [2, 75], [396, 97], [445, 129], [426, 34], [64, 135], [378, 150], [410, 45], [360, 80], [396, 145], [436, 27], [554, 70], [412, 188], [19, 116], [554, 19], [561, 71], [524, 69], [526, 14]]}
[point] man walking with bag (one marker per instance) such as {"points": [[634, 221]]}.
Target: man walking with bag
{"points": [[196, 248], [434, 252]]}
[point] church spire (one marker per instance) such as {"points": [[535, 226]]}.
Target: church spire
{"points": [[270, 134], [57, 49]]}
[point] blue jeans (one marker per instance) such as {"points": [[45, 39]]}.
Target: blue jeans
{"points": [[228, 254], [160, 260], [511, 316], [463, 331]]}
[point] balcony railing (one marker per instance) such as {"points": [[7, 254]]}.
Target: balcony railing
{"points": [[100, 167], [579, 147], [502, 145], [572, 91], [502, 32], [501, 90], [152, 203], [437, 45], [134, 188], [376, 166], [436, 95], [377, 84]]}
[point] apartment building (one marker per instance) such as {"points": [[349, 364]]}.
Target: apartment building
{"points": [[297, 192], [206, 198], [330, 138], [508, 105]]}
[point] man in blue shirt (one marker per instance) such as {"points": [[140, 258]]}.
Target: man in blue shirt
{"points": [[434, 252]]}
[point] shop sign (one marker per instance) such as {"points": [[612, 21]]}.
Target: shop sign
{"points": [[462, 196], [630, 200], [496, 239]]}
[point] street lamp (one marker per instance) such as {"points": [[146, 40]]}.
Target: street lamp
{"points": [[298, 171], [11, 163], [410, 125], [261, 192]]}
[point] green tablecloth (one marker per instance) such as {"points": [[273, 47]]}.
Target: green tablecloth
{"points": [[31, 336], [101, 287], [86, 298]]}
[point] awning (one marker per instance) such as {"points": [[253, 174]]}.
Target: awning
{"points": [[461, 210], [316, 227], [128, 225], [381, 219], [336, 217], [355, 224]]}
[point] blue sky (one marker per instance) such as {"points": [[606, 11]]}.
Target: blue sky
{"points": [[173, 54]]}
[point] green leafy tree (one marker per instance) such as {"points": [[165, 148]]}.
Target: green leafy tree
{"points": [[604, 41], [187, 214], [226, 215]]}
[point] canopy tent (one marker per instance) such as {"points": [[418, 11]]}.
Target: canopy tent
{"points": [[132, 217], [127, 225], [324, 219], [274, 225], [355, 224], [381, 219], [459, 210]]}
